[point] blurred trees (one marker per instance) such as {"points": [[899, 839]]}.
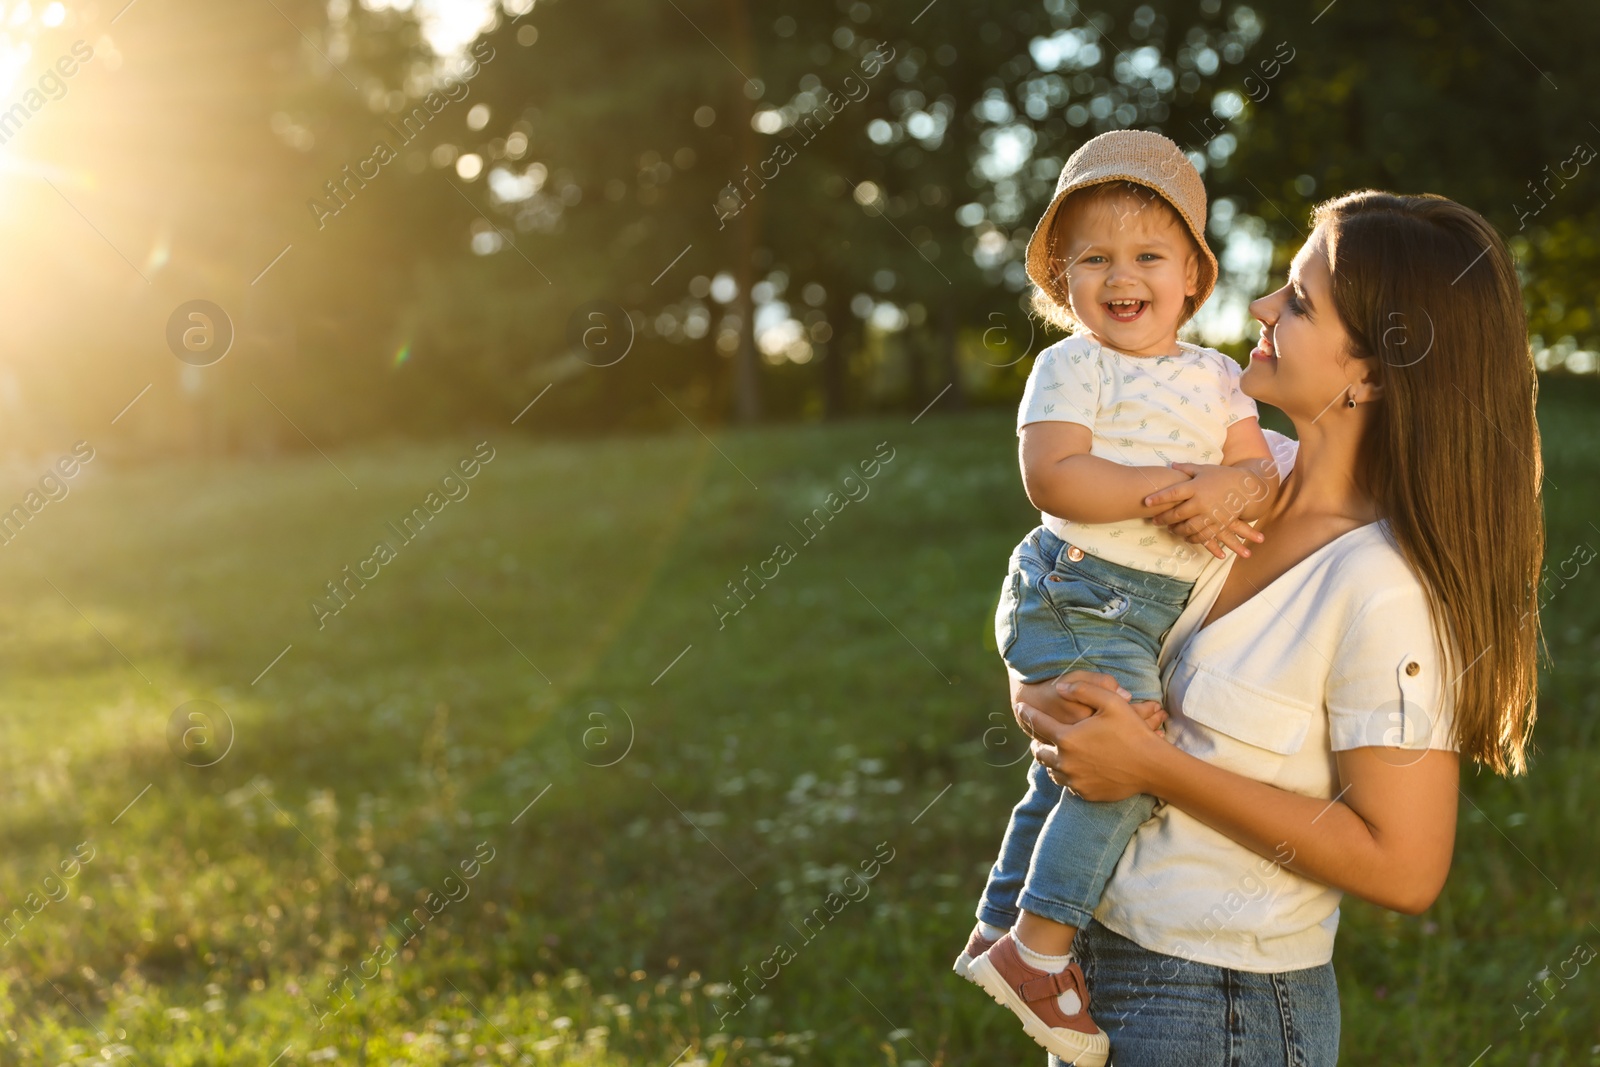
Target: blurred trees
{"points": [[854, 185], [731, 209], [1488, 104]]}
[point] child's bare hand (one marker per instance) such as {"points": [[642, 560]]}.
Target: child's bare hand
{"points": [[1152, 713], [1205, 509], [1236, 537]]}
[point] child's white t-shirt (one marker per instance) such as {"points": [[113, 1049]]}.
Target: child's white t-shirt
{"points": [[1143, 411]]}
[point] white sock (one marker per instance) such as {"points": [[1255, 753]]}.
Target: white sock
{"points": [[1068, 1001], [1038, 960], [991, 933]]}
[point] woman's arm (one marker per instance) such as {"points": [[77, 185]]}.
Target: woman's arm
{"points": [[1387, 837]]}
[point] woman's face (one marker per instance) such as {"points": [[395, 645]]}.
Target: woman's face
{"points": [[1301, 365]]}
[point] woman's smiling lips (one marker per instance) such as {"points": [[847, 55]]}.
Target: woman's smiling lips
{"points": [[1264, 348], [1125, 310]]}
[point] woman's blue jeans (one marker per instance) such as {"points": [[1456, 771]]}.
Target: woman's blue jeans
{"points": [[1160, 1010]]}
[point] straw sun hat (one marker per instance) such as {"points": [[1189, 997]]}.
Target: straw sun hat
{"points": [[1147, 159]]}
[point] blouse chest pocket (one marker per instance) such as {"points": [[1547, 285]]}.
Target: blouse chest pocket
{"points": [[1247, 730]]}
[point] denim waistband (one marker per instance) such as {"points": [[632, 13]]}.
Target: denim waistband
{"points": [[1147, 585]]}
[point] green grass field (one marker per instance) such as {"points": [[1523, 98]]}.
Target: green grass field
{"points": [[698, 786]]}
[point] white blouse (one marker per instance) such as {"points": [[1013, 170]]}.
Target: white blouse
{"points": [[1336, 653]]}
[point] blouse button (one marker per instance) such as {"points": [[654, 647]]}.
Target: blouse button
{"points": [[1413, 667]]}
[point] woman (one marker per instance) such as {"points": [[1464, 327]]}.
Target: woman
{"points": [[1321, 689]]}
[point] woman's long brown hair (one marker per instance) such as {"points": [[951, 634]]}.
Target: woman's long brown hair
{"points": [[1427, 290]]}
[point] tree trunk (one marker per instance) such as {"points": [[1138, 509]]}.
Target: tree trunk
{"points": [[949, 335], [836, 358], [913, 346], [746, 360]]}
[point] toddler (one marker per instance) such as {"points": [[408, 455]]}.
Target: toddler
{"points": [[1115, 413]]}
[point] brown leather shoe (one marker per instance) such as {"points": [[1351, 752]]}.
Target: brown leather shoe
{"points": [[1032, 994], [977, 945]]}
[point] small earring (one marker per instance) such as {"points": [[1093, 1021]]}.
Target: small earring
{"points": [[1351, 402]]}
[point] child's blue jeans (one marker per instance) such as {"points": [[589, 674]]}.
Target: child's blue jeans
{"points": [[1059, 614]]}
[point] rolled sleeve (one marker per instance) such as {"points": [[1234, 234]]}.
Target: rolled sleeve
{"points": [[1064, 385], [1387, 685]]}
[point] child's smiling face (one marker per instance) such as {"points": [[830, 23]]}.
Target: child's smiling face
{"points": [[1130, 268]]}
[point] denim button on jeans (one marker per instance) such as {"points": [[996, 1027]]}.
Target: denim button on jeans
{"points": [[1058, 614]]}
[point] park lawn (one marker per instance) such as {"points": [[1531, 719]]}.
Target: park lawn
{"points": [[731, 838]]}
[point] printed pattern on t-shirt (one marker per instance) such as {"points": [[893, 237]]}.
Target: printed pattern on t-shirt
{"points": [[1140, 411]]}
